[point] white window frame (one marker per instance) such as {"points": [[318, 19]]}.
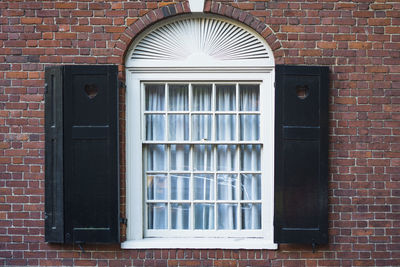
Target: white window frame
{"points": [[135, 77]]}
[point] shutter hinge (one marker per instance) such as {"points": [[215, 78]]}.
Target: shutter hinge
{"points": [[122, 85], [123, 220], [314, 245], [46, 88]]}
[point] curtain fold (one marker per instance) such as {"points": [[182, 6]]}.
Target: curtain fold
{"points": [[223, 186]]}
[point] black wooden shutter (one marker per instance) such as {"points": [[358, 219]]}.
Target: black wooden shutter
{"points": [[90, 154], [301, 155], [54, 213]]}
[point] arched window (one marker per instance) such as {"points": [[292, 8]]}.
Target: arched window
{"points": [[200, 136]]}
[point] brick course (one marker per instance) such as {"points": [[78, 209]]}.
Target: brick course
{"points": [[358, 40]]}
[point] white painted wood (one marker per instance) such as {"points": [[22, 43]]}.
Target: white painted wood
{"points": [[200, 243], [199, 42], [196, 5], [203, 49]]}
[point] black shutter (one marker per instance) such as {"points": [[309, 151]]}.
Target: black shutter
{"points": [[90, 154], [54, 213], [301, 155]]}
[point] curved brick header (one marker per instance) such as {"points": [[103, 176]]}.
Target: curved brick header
{"points": [[156, 15]]}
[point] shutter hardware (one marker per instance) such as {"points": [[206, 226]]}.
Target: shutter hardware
{"points": [[123, 220], [80, 243]]}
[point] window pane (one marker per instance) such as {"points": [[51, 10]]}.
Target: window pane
{"points": [[226, 97], [251, 216], [180, 157], [250, 157], [157, 187], [156, 158], [157, 216], [203, 186], [202, 97], [250, 186], [249, 127], [201, 127], [249, 97], [155, 97], [226, 160], [203, 158], [180, 186], [180, 216], [178, 97], [155, 127], [204, 216], [226, 187], [226, 127], [178, 127], [227, 216]]}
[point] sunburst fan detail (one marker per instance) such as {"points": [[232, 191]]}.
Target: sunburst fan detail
{"points": [[203, 37]]}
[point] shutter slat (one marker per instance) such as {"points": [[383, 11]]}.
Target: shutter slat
{"points": [[301, 155], [54, 206]]}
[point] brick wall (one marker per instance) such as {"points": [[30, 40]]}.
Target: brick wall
{"points": [[359, 40]]}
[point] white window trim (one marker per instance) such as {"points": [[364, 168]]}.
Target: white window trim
{"points": [[163, 71], [135, 198]]}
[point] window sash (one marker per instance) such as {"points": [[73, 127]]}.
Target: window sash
{"points": [[213, 112]]}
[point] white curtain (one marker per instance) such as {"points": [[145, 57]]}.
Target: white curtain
{"points": [[179, 155], [229, 187]]}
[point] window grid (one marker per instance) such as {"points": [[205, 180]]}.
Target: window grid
{"points": [[214, 144]]}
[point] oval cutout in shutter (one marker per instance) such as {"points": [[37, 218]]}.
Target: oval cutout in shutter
{"points": [[91, 90]]}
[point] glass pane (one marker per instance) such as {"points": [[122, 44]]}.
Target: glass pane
{"points": [[180, 157], [180, 186], [226, 187], [178, 97], [250, 186], [251, 216], [155, 127], [155, 97], [249, 127], [178, 127], [250, 157], [203, 186], [249, 97], [202, 97], [157, 216], [203, 158], [226, 158], [180, 216], [226, 97], [226, 127], [204, 216], [227, 216], [157, 187], [156, 158], [201, 127]]}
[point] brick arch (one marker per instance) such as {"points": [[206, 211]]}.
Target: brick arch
{"points": [[246, 18], [156, 15]]}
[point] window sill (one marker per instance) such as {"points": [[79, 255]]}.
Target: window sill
{"points": [[199, 243]]}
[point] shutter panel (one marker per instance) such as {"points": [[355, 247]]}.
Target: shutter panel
{"points": [[91, 154], [82, 158], [301, 155], [54, 214]]}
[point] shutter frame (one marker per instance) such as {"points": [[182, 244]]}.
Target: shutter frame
{"points": [[301, 141], [89, 191], [54, 204]]}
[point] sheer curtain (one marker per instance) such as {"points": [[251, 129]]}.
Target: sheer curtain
{"points": [[250, 157], [156, 157], [203, 159], [226, 185]]}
